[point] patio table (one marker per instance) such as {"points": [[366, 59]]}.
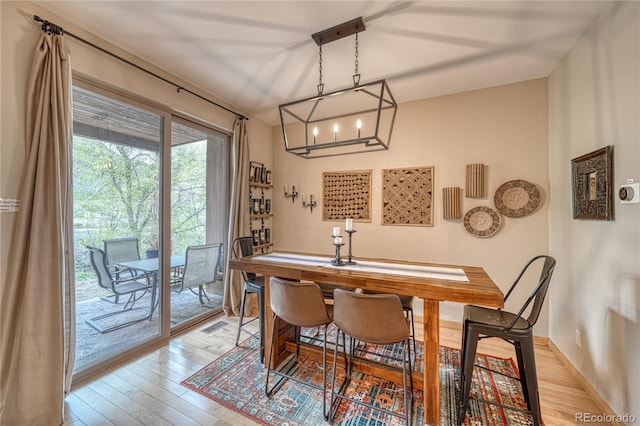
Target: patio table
{"points": [[151, 268]]}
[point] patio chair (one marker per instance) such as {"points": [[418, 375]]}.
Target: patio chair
{"points": [[200, 269], [120, 250], [119, 287]]}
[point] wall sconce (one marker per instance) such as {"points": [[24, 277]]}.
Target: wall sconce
{"points": [[311, 204], [451, 203], [475, 181], [293, 194]]}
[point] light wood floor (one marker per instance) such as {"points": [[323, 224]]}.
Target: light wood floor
{"points": [[147, 390]]}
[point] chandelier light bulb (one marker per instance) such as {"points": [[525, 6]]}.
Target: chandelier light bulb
{"points": [[359, 126]]}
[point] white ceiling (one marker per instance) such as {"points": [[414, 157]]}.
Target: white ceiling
{"points": [[259, 54]]}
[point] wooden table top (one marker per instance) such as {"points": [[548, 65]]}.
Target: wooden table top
{"points": [[478, 288]]}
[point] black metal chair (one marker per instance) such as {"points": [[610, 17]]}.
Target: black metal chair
{"points": [[253, 283], [200, 269], [300, 304], [119, 287], [481, 322], [376, 319]]}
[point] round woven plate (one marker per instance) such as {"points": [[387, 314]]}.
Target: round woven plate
{"points": [[517, 198], [482, 222]]}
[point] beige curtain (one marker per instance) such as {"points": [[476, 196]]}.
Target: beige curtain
{"points": [[239, 215], [37, 340]]}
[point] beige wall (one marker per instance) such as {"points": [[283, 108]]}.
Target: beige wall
{"points": [[504, 127], [594, 100], [19, 36]]}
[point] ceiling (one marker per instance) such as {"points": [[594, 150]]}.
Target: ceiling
{"points": [[256, 55]]}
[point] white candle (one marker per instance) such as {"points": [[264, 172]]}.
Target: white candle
{"points": [[335, 132], [349, 225], [315, 134], [337, 240], [358, 126], [336, 231]]}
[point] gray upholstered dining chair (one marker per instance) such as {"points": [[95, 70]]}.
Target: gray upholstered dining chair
{"points": [[200, 269], [407, 307], [300, 304], [481, 322], [376, 319], [128, 286]]}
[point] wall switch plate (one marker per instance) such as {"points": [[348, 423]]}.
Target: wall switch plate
{"points": [[578, 338], [629, 193]]}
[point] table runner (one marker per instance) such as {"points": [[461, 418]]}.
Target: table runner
{"points": [[435, 272]]}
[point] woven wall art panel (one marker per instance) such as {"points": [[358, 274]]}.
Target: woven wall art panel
{"points": [[346, 194], [407, 196]]}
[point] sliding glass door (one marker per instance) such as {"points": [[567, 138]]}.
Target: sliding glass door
{"points": [[144, 180], [198, 219], [116, 196]]}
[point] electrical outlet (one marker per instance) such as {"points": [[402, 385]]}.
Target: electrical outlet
{"points": [[578, 338]]}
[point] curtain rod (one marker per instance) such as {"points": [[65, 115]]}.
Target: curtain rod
{"points": [[50, 27]]}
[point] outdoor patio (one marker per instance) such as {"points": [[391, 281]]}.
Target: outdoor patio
{"points": [[92, 346]]}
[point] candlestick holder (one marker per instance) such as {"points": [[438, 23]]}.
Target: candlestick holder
{"points": [[349, 261], [336, 260]]}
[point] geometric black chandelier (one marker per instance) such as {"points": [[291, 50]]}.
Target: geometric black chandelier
{"points": [[348, 121]]}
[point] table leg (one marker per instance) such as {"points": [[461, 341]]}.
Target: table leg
{"points": [[268, 322], [154, 294], [431, 362]]}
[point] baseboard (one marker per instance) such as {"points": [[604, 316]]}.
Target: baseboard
{"points": [[593, 394]]}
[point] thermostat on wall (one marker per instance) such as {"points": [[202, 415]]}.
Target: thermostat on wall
{"points": [[630, 192]]}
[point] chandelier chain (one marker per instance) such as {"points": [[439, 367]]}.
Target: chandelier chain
{"points": [[320, 85], [356, 75], [356, 54]]}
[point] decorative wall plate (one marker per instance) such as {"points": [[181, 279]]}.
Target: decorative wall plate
{"points": [[517, 198], [482, 222]]}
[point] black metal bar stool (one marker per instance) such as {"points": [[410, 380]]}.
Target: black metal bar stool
{"points": [[480, 323], [253, 283]]}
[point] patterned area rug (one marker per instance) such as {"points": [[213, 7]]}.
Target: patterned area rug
{"points": [[236, 380]]}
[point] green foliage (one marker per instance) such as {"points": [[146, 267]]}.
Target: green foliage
{"points": [[117, 192]]}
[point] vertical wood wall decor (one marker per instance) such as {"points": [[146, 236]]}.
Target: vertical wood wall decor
{"points": [[475, 181], [451, 203], [346, 195], [407, 196]]}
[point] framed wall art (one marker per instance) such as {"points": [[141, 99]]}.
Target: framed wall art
{"points": [[346, 195], [592, 176], [407, 196]]}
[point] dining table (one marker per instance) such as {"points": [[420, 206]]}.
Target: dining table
{"points": [[431, 282], [151, 267]]}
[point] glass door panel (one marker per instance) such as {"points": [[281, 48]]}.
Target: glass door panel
{"points": [[198, 220], [116, 188]]}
